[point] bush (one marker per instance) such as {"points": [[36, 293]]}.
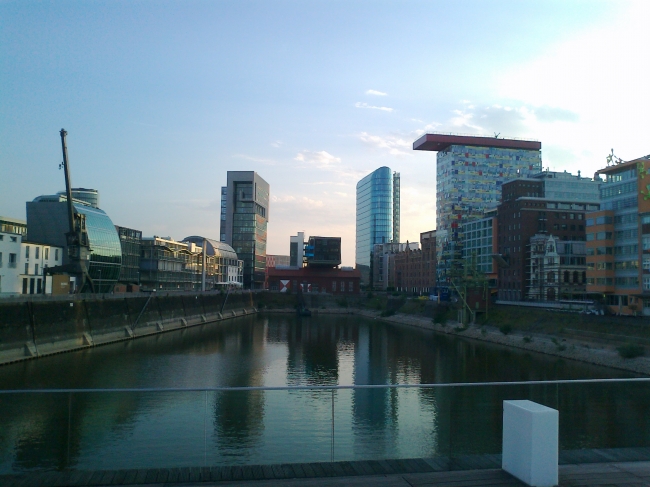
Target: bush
{"points": [[527, 339], [460, 329], [387, 312], [505, 329], [631, 350], [342, 302], [441, 314]]}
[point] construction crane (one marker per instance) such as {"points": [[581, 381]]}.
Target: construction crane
{"points": [[77, 241]]}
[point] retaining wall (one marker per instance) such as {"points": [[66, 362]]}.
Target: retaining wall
{"points": [[31, 329]]}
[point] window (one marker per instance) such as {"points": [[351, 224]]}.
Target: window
{"points": [[36, 269], [26, 253], [13, 239], [26, 268], [47, 253], [37, 252], [56, 254]]}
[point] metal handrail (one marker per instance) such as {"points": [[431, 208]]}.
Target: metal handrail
{"points": [[327, 388]]}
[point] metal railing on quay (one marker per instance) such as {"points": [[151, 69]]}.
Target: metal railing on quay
{"points": [[166, 427]]}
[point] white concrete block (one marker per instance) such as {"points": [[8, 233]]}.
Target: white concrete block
{"points": [[531, 442]]}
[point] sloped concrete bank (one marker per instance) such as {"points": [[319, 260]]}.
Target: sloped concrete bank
{"points": [[31, 329], [584, 351]]}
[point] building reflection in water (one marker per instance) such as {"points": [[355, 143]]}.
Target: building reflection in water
{"points": [[115, 430]]}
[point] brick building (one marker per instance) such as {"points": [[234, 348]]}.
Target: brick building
{"points": [[549, 203], [342, 281], [415, 269]]}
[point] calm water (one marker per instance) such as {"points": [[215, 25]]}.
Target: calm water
{"points": [[170, 429]]}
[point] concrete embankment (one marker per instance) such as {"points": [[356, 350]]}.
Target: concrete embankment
{"points": [[30, 329], [584, 351]]}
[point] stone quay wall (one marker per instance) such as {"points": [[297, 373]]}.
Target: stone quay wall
{"points": [[39, 327]]}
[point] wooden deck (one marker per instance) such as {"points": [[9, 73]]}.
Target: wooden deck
{"points": [[623, 467]]}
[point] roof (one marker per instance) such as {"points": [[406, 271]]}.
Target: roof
{"points": [[438, 142], [213, 247], [623, 165]]}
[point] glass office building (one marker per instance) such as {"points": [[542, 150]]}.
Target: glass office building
{"points": [[378, 208], [47, 222], [246, 201]]}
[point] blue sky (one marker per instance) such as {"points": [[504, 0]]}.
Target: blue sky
{"points": [[160, 99]]}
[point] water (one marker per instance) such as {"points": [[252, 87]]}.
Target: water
{"points": [[194, 428]]}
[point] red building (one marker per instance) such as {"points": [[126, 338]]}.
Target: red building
{"points": [[415, 269], [315, 280]]}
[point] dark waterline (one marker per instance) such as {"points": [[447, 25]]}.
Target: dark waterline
{"points": [[131, 430]]}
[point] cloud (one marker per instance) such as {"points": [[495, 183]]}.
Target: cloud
{"points": [[320, 159], [376, 93], [553, 114], [276, 144], [365, 105], [393, 144]]}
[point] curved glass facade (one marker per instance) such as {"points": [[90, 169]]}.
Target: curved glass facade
{"points": [[377, 213], [106, 251]]}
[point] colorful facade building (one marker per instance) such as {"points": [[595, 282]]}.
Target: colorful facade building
{"points": [[470, 171], [618, 239]]}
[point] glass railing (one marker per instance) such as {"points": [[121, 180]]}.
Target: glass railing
{"points": [[112, 429]]}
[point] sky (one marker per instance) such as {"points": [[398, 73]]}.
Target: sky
{"points": [[161, 98]]}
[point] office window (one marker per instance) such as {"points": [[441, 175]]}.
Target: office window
{"points": [[36, 269], [56, 254], [47, 253], [13, 239], [27, 253], [37, 252], [26, 268]]}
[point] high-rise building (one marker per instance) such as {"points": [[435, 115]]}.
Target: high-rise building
{"points": [[378, 205], [222, 220], [469, 173], [618, 239], [244, 227]]}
